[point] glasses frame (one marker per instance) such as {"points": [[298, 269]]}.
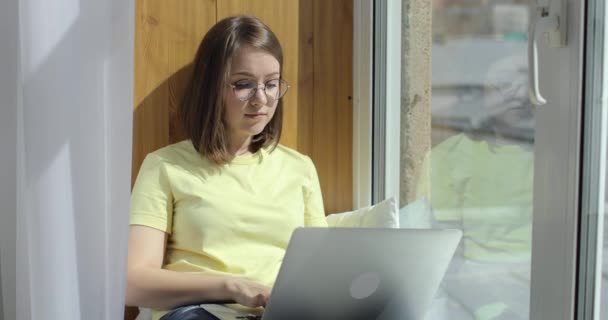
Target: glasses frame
{"points": [[263, 86]]}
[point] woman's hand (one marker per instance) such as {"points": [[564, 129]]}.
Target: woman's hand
{"points": [[248, 293]]}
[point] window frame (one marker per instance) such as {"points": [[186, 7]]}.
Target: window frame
{"points": [[593, 164], [362, 102], [557, 148]]}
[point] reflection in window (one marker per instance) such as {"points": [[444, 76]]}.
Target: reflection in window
{"points": [[478, 175]]}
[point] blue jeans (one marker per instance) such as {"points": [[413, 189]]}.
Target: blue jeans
{"points": [[192, 312]]}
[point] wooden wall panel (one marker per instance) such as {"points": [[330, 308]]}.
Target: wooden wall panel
{"points": [[305, 76], [187, 22], [282, 17], [150, 128], [167, 34], [332, 107]]}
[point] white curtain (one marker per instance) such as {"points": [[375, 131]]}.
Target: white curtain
{"points": [[70, 151]]}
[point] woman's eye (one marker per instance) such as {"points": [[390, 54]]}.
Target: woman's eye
{"points": [[272, 84], [244, 84]]}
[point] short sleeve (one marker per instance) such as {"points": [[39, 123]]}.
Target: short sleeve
{"points": [[314, 212], [151, 198]]}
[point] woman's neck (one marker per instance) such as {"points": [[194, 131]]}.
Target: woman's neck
{"points": [[239, 145]]}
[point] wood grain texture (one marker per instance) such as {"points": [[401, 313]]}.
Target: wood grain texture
{"points": [[150, 128], [167, 34], [332, 111], [187, 22], [283, 19], [305, 77]]}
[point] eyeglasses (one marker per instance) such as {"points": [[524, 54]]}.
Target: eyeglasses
{"points": [[274, 89]]}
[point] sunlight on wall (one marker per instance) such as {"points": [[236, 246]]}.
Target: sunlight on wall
{"points": [[44, 23]]}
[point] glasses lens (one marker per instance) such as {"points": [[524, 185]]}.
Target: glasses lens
{"points": [[244, 90], [272, 89], [282, 88]]}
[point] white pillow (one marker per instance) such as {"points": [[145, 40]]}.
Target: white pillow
{"points": [[381, 215]]}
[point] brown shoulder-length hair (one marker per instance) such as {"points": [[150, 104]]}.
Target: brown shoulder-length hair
{"points": [[202, 106]]}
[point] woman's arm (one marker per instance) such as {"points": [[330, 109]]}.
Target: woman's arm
{"points": [[148, 285]]}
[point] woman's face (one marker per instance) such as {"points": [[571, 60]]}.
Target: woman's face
{"points": [[250, 67]]}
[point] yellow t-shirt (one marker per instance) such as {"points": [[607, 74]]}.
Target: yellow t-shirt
{"points": [[235, 219]]}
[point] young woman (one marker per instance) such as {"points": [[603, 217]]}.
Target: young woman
{"points": [[211, 216]]}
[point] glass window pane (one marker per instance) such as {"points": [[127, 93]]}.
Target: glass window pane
{"points": [[477, 174]]}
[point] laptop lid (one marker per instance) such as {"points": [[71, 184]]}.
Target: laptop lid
{"points": [[361, 273]]}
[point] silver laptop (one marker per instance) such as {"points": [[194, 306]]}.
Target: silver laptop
{"points": [[356, 273]]}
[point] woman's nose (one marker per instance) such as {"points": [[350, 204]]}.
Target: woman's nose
{"points": [[260, 96]]}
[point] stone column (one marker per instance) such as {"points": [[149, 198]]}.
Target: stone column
{"points": [[416, 35]]}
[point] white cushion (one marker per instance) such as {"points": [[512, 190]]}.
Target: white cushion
{"points": [[381, 215]]}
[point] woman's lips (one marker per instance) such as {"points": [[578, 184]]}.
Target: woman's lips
{"points": [[255, 115]]}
